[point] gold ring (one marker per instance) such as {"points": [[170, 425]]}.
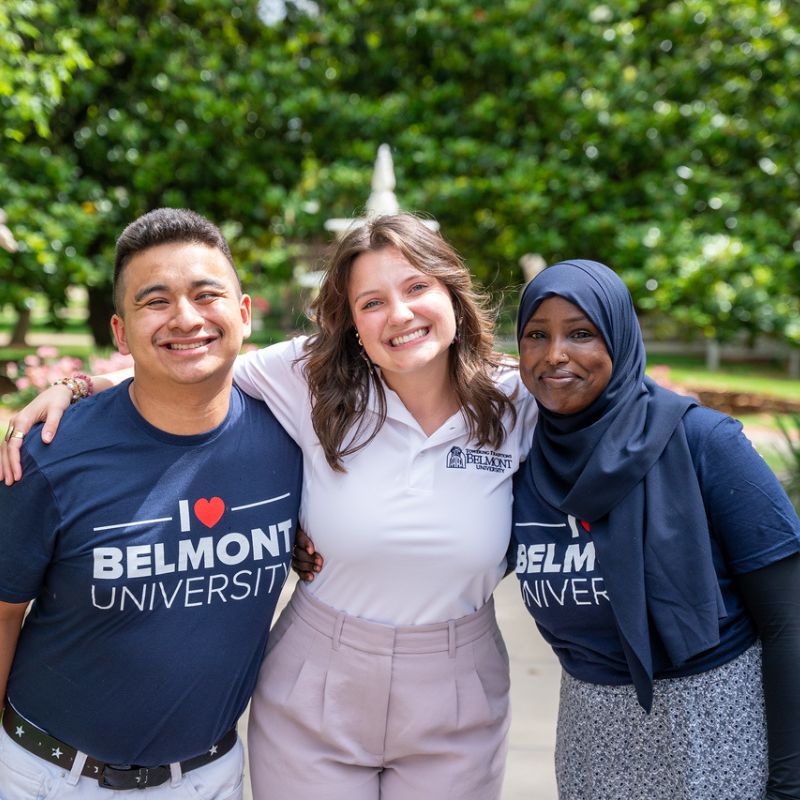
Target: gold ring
{"points": [[17, 435]]}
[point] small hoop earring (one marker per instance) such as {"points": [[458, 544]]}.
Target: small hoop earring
{"points": [[363, 353]]}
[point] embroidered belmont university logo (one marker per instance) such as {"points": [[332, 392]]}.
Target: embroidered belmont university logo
{"points": [[487, 460]]}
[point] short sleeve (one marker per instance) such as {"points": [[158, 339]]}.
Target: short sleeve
{"points": [[274, 376], [749, 513], [29, 528], [509, 381]]}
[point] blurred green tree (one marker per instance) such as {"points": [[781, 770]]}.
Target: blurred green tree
{"points": [[39, 59], [657, 137], [186, 104]]}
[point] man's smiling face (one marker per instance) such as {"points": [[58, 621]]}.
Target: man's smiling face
{"points": [[183, 317]]}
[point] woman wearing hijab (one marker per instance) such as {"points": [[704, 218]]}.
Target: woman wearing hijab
{"points": [[658, 555]]}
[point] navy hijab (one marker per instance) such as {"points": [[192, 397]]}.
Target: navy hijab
{"points": [[623, 464]]}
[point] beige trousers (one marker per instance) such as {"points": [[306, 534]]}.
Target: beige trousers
{"points": [[347, 709]]}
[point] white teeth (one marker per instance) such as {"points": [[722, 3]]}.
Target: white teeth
{"points": [[192, 346], [410, 337]]}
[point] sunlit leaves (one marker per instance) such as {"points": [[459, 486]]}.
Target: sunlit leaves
{"points": [[658, 137]]}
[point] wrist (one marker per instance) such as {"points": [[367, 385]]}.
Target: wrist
{"points": [[79, 384]]}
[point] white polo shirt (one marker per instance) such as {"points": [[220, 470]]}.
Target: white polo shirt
{"points": [[416, 530]]}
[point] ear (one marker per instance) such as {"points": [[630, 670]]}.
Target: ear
{"points": [[118, 327], [245, 308]]}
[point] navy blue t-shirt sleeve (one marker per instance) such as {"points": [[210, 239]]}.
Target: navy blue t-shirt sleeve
{"points": [[749, 513], [29, 521]]}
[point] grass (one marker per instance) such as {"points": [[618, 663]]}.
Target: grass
{"points": [[756, 378], [746, 378], [768, 421], [75, 350]]}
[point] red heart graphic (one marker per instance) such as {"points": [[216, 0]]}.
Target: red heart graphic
{"points": [[210, 511], [585, 525]]}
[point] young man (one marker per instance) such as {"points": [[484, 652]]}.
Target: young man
{"points": [[153, 540]]}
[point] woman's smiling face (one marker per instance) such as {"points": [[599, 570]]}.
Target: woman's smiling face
{"points": [[564, 362], [405, 317]]}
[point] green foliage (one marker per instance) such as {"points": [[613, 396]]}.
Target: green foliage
{"points": [[187, 104], [658, 137], [40, 56]]}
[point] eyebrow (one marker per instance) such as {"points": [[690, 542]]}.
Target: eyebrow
{"points": [[416, 276], [162, 287], [364, 294], [570, 320]]}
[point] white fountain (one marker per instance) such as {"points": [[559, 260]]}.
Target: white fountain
{"points": [[382, 199]]}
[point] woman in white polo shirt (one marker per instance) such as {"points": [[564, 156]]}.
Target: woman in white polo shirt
{"points": [[387, 677]]}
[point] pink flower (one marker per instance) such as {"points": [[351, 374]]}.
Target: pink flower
{"points": [[99, 366], [261, 304], [41, 370]]}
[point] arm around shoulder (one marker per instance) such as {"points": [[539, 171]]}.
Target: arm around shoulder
{"points": [[47, 407]]}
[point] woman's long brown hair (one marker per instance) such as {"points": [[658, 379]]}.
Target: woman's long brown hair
{"points": [[338, 373]]}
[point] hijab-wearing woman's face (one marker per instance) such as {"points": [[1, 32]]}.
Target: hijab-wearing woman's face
{"points": [[563, 360]]}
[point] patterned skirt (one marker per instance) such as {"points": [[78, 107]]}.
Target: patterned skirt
{"points": [[705, 738]]}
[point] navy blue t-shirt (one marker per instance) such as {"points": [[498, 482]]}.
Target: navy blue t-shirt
{"points": [[155, 562], [752, 524]]}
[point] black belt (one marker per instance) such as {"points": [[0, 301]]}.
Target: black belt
{"points": [[109, 776]]}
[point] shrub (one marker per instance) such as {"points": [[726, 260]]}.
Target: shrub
{"points": [[790, 428], [39, 370]]}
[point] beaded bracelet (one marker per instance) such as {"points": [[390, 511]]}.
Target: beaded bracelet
{"points": [[79, 384]]}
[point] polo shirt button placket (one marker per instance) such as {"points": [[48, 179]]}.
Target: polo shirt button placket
{"points": [[429, 460]]}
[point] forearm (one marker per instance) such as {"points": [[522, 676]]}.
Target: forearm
{"points": [[11, 616], [48, 407], [111, 379], [772, 596]]}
